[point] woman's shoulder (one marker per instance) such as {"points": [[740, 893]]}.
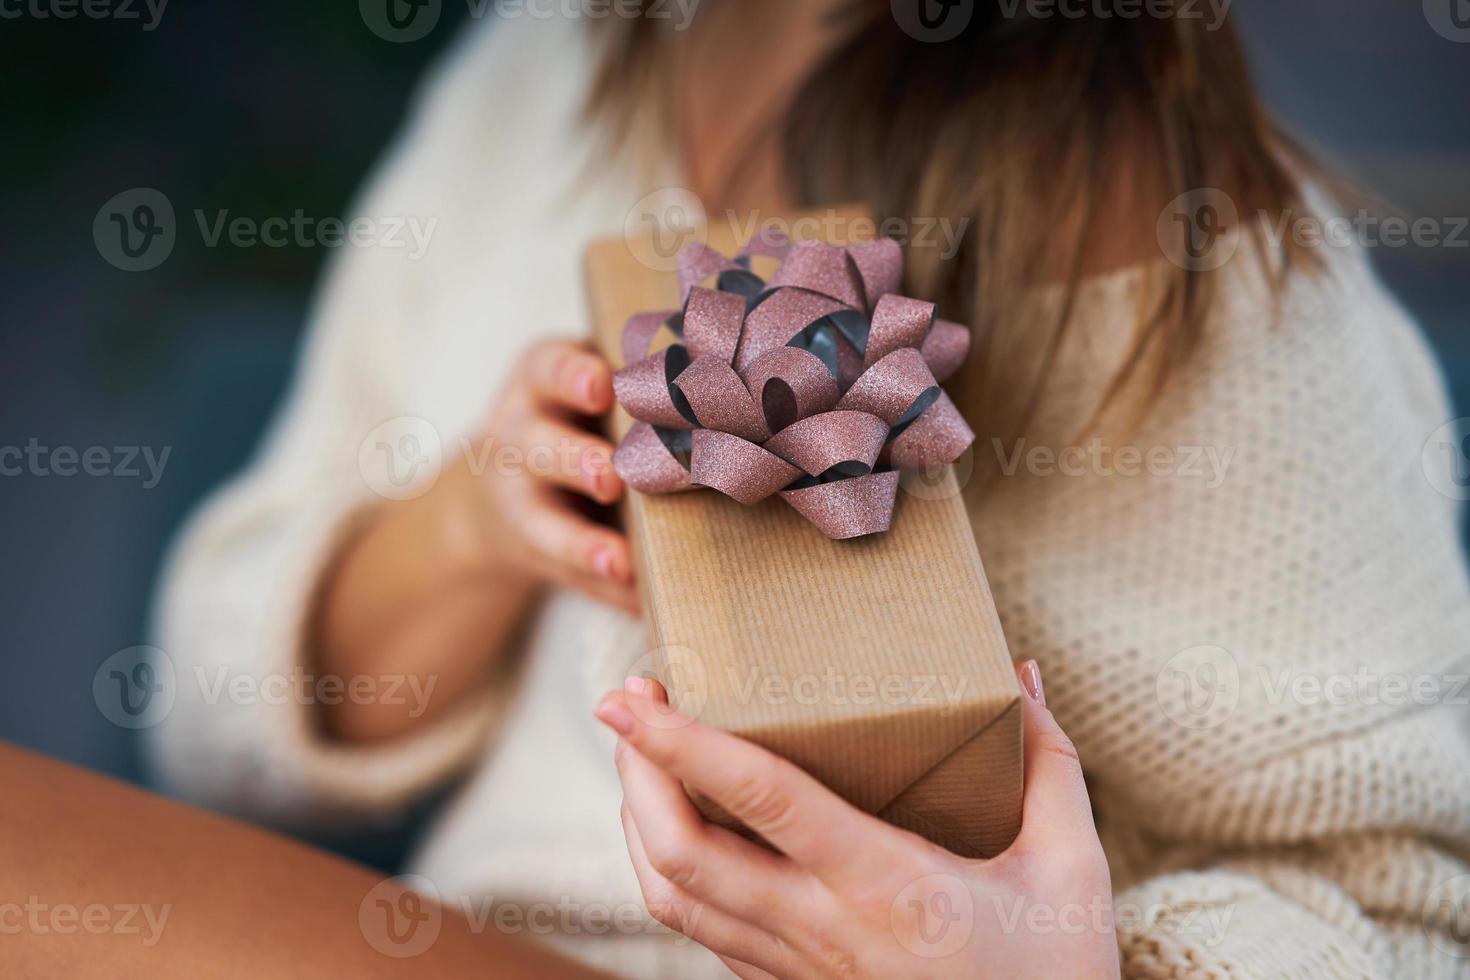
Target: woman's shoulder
{"points": [[507, 90]]}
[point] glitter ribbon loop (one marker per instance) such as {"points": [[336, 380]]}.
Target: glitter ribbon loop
{"points": [[819, 384]]}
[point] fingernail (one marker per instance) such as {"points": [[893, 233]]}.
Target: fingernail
{"points": [[588, 387], [602, 563], [615, 715], [1031, 681], [636, 685], [596, 473]]}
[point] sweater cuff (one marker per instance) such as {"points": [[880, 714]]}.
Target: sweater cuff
{"points": [[330, 779], [1222, 925]]}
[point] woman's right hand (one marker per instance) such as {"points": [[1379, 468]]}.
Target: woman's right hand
{"points": [[543, 454], [434, 588]]}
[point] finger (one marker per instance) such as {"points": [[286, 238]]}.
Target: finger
{"points": [[569, 457], [571, 547], [568, 375], [709, 862], [712, 928], [623, 596], [1056, 811], [746, 971], [785, 806]]}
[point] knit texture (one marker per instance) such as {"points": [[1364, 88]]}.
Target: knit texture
{"points": [[1180, 617]]}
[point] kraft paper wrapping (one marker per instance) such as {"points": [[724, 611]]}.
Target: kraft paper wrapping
{"points": [[876, 664]]}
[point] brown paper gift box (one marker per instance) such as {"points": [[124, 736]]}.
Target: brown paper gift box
{"points": [[875, 664]]}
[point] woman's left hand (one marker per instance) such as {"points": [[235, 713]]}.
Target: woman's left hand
{"points": [[849, 895]]}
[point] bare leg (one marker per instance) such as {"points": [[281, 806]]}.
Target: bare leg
{"points": [[98, 879]]}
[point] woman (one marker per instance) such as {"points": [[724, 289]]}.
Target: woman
{"points": [[1284, 836]]}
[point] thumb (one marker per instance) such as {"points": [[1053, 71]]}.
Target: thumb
{"points": [[1056, 810]]}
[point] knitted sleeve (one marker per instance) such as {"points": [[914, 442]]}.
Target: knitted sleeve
{"points": [[1372, 904], [1259, 645]]}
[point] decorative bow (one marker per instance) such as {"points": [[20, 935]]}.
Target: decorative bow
{"points": [[821, 384]]}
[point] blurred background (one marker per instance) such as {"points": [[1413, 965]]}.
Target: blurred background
{"points": [[271, 108]]}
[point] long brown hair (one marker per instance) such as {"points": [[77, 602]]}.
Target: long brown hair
{"points": [[1052, 138]]}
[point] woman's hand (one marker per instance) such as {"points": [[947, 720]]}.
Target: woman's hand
{"points": [[851, 896], [430, 589], [545, 456]]}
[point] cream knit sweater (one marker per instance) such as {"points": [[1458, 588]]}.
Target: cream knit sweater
{"points": [[1229, 640]]}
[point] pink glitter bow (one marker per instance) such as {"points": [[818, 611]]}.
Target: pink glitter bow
{"points": [[821, 384]]}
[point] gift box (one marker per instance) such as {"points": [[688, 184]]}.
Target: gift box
{"points": [[875, 662]]}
